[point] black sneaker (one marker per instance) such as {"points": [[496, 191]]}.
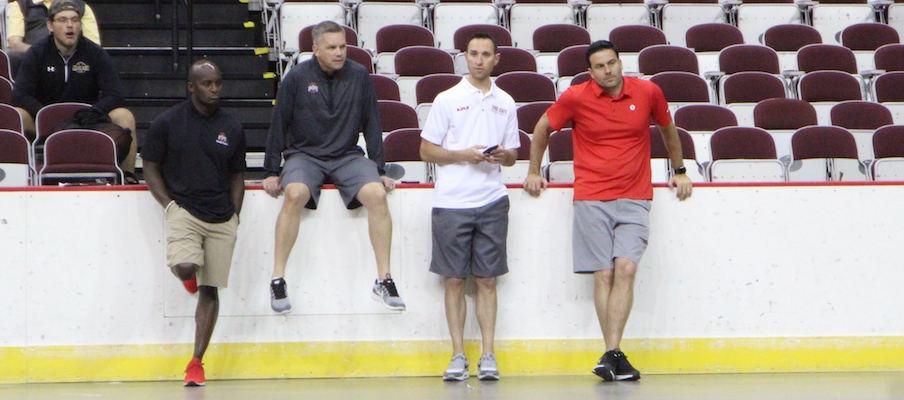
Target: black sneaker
{"points": [[624, 371], [279, 298], [604, 367]]}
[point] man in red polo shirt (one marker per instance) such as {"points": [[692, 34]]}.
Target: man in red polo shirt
{"points": [[612, 187]]}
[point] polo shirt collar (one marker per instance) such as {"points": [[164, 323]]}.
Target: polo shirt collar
{"points": [[471, 89], [627, 88]]}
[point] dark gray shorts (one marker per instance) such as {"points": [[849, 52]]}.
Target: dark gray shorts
{"points": [[470, 241], [349, 173], [604, 230]]}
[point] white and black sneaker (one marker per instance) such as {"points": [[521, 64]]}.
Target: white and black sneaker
{"points": [[457, 369], [279, 297], [386, 293]]}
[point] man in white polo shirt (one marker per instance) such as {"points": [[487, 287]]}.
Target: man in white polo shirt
{"points": [[472, 129]]}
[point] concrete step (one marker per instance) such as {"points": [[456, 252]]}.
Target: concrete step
{"points": [[160, 60], [161, 35], [142, 11], [168, 86]]}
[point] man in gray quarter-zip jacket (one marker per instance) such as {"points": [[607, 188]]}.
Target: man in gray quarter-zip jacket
{"points": [[322, 105]]}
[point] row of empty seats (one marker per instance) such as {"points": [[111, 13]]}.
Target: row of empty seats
{"points": [[73, 154], [599, 17], [737, 154]]}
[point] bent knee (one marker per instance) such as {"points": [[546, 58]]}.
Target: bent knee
{"points": [[185, 270], [372, 194], [297, 193], [122, 117]]}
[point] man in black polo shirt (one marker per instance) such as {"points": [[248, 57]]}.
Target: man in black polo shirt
{"points": [[194, 164]]}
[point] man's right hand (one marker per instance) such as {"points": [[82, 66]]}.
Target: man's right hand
{"points": [[272, 186], [534, 183]]}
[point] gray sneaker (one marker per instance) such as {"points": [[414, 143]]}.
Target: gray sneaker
{"points": [[486, 368], [386, 293], [279, 298], [457, 369]]}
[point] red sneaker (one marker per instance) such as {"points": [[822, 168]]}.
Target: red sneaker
{"points": [[194, 373], [192, 284]]}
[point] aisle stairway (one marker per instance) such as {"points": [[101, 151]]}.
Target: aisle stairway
{"points": [[138, 34]]}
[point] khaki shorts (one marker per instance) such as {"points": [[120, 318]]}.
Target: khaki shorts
{"points": [[209, 245]]}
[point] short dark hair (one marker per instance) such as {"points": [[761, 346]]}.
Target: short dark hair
{"points": [[325, 27], [482, 35], [598, 46]]}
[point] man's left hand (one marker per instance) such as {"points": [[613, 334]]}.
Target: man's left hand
{"points": [[683, 185], [388, 183]]}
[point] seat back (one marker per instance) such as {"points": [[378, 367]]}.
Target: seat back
{"points": [[890, 57], [748, 57], [829, 86], [790, 37], [527, 87], [514, 59], [889, 87], [682, 87], [80, 154], [888, 151], [396, 115], [360, 56], [818, 57], [5, 67], [858, 114], [51, 115], [868, 36], [391, 38], [15, 159], [823, 142], [561, 147], [501, 35], [634, 38], [775, 114], [554, 38], [6, 91], [888, 141], [11, 119], [704, 117], [431, 85], [572, 61], [423, 60], [386, 87], [660, 58], [530, 113], [742, 142], [712, 37], [402, 147]]}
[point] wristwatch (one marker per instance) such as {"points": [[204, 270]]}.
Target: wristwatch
{"points": [[680, 170]]}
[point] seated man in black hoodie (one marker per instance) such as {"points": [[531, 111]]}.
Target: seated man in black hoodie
{"points": [[66, 67]]}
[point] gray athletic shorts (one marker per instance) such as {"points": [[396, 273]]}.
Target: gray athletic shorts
{"points": [[349, 173], [605, 230], [470, 241]]}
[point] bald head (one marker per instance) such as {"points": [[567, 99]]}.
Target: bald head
{"points": [[204, 83], [200, 69]]}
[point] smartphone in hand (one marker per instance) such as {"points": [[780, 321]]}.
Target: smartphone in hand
{"points": [[490, 149]]}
